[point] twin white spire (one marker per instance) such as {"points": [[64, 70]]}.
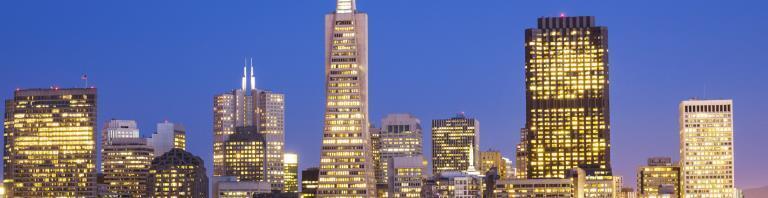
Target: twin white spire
{"points": [[345, 6], [245, 74]]}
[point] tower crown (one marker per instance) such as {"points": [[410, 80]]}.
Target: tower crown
{"points": [[345, 6]]}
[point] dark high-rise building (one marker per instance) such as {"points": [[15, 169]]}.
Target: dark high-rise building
{"points": [[309, 181], [50, 143], [177, 174], [567, 115]]}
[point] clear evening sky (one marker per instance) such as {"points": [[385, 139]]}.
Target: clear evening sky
{"points": [[158, 60]]}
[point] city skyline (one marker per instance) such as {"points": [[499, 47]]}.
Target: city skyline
{"points": [[505, 124]]}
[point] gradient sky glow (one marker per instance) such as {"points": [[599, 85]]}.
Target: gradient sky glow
{"points": [[158, 60]]}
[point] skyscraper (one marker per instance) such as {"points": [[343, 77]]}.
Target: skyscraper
{"points": [[400, 136], [119, 129], [249, 106], [50, 143], [405, 176], [244, 155], [291, 173], [521, 155], [168, 136], [346, 165], [455, 144], [177, 174], [567, 108], [706, 148], [125, 164]]}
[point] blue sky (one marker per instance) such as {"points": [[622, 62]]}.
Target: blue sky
{"points": [[158, 60]]}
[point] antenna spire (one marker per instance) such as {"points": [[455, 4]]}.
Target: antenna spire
{"points": [[245, 72], [253, 78]]}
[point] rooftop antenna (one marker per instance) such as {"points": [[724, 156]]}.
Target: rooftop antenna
{"points": [[253, 79], [85, 78], [245, 72]]}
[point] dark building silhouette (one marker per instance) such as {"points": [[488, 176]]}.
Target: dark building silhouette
{"points": [[178, 174]]}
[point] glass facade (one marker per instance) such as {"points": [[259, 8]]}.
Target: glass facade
{"points": [[50, 143], [244, 155], [125, 164], [567, 115]]}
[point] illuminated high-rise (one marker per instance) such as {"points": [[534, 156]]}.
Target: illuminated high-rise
{"points": [[50, 143], [125, 163], [521, 155], [249, 106], [346, 164], [244, 155], [660, 178], [567, 107], [291, 175], [400, 136], [168, 136], [455, 144], [177, 174], [706, 148]]}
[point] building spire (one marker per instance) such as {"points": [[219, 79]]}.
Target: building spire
{"points": [[245, 72], [253, 78], [345, 6]]}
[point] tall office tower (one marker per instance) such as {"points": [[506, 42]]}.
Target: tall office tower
{"points": [[244, 155], [125, 164], [405, 176], [490, 159], [245, 107], [119, 129], [567, 116], [50, 143], [291, 172], [454, 142], [346, 165], [177, 174], [309, 181], [659, 178], [400, 136], [379, 173], [168, 136], [521, 155], [706, 148]]}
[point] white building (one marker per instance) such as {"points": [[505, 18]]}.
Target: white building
{"points": [[229, 187], [706, 148], [167, 137], [119, 129], [400, 136]]}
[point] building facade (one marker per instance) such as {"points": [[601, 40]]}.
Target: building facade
{"points": [[659, 177], [567, 116], [177, 174], [291, 172], [459, 185], [490, 159], [521, 155], [400, 136], [706, 148], [455, 143], [346, 163], [119, 129], [244, 155], [168, 136], [247, 107], [405, 176], [309, 181], [50, 143], [125, 165]]}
